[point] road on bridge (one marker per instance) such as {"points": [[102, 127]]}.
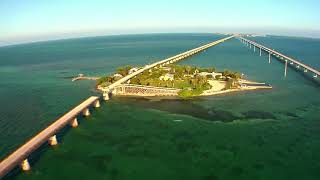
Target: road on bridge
{"points": [[26, 149]]}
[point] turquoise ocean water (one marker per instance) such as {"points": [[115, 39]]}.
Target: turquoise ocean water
{"points": [[267, 134]]}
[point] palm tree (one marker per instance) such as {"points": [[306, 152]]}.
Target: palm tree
{"points": [[211, 69], [188, 69]]}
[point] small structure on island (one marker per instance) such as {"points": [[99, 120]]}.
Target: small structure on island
{"points": [[166, 68], [188, 75], [132, 70], [167, 77], [196, 72], [117, 75], [213, 74]]}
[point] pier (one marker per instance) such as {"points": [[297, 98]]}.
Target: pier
{"points": [[280, 56], [48, 135], [82, 77]]}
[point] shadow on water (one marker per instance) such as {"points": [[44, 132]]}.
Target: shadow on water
{"points": [[35, 156], [315, 82], [188, 107]]}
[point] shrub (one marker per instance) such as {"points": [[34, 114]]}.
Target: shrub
{"points": [[218, 77], [124, 70], [105, 80]]}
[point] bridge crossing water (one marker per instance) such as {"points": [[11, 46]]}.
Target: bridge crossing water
{"points": [[169, 60], [280, 56], [20, 156]]}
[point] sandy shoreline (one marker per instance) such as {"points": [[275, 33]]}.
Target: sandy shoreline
{"points": [[218, 87]]}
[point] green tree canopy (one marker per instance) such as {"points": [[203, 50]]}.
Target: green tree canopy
{"points": [[124, 70]]}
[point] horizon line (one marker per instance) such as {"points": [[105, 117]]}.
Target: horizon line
{"points": [[147, 33]]}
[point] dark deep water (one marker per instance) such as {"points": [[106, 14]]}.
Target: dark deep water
{"points": [[267, 134]]}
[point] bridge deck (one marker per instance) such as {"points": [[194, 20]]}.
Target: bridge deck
{"points": [[22, 153], [282, 55], [187, 53]]}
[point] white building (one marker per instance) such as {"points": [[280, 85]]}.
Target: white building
{"points": [[117, 75], [213, 74], [167, 77], [132, 70]]}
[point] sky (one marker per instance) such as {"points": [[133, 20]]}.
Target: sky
{"points": [[37, 20]]}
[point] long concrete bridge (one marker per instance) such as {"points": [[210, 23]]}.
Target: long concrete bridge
{"points": [[280, 56], [20, 156], [169, 60]]}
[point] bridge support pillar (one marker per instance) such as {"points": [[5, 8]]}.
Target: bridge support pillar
{"points": [[86, 112], [254, 48], [269, 57], [74, 122], [96, 104], [260, 51], [53, 140], [285, 68], [305, 70], [25, 166], [106, 96], [250, 45]]}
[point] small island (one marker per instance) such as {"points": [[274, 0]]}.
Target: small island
{"points": [[178, 80]]}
